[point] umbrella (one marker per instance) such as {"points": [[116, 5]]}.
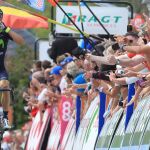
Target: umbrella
{"points": [[19, 19]]}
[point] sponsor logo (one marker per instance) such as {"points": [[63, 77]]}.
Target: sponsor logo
{"points": [[91, 19]]}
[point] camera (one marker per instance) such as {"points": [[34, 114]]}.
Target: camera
{"points": [[120, 72], [115, 46], [121, 104], [79, 52]]}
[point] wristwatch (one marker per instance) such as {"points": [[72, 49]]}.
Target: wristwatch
{"points": [[117, 62], [122, 48]]}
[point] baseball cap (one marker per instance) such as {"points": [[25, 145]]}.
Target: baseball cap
{"points": [[56, 70], [66, 60], [80, 80]]}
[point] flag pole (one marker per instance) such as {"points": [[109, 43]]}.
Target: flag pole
{"points": [[73, 29], [68, 27], [80, 15], [80, 11], [97, 19], [90, 41]]}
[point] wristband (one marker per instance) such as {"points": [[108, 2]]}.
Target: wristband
{"points": [[100, 89], [7, 30]]}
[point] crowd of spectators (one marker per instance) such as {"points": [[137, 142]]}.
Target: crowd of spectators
{"points": [[110, 67], [16, 139]]}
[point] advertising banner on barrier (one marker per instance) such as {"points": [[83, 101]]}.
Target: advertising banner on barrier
{"points": [[114, 19], [140, 127], [70, 141], [103, 135], [132, 125], [118, 137], [67, 135], [92, 131], [54, 137], [145, 144], [80, 136], [38, 131], [65, 114], [105, 139]]}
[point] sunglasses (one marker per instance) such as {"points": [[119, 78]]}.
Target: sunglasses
{"points": [[50, 79], [129, 41]]}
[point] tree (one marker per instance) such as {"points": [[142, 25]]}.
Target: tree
{"points": [[18, 67]]}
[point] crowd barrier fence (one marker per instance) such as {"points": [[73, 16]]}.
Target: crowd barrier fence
{"points": [[113, 135]]}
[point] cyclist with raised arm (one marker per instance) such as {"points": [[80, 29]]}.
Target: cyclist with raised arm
{"points": [[6, 34]]}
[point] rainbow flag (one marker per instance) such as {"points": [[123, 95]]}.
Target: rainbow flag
{"points": [[18, 19]]}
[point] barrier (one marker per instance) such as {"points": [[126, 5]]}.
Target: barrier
{"points": [[103, 135], [38, 131], [78, 112], [117, 140], [69, 127], [65, 114], [84, 125], [69, 144], [112, 136], [54, 137], [131, 92], [112, 128], [132, 124], [114, 122], [92, 131], [145, 143], [101, 119], [141, 126]]}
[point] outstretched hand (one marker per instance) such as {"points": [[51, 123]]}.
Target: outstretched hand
{"points": [[88, 56], [112, 76], [130, 73]]}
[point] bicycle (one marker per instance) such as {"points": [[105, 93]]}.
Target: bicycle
{"points": [[2, 130]]}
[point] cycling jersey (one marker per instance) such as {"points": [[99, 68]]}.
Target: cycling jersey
{"points": [[4, 38]]}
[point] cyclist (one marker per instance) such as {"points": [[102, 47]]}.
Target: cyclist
{"points": [[6, 34]]}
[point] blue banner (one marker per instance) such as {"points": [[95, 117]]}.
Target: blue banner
{"points": [[101, 111], [78, 112], [36, 4], [131, 93]]}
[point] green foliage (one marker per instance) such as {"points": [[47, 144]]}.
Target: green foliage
{"points": [[19, 69], [138, 7]]}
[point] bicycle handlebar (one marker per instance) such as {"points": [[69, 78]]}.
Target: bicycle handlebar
{"points": [[2, 89]]}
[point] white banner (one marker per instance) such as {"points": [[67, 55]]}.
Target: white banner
{"points": [[114, 19], [43, 46]]}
